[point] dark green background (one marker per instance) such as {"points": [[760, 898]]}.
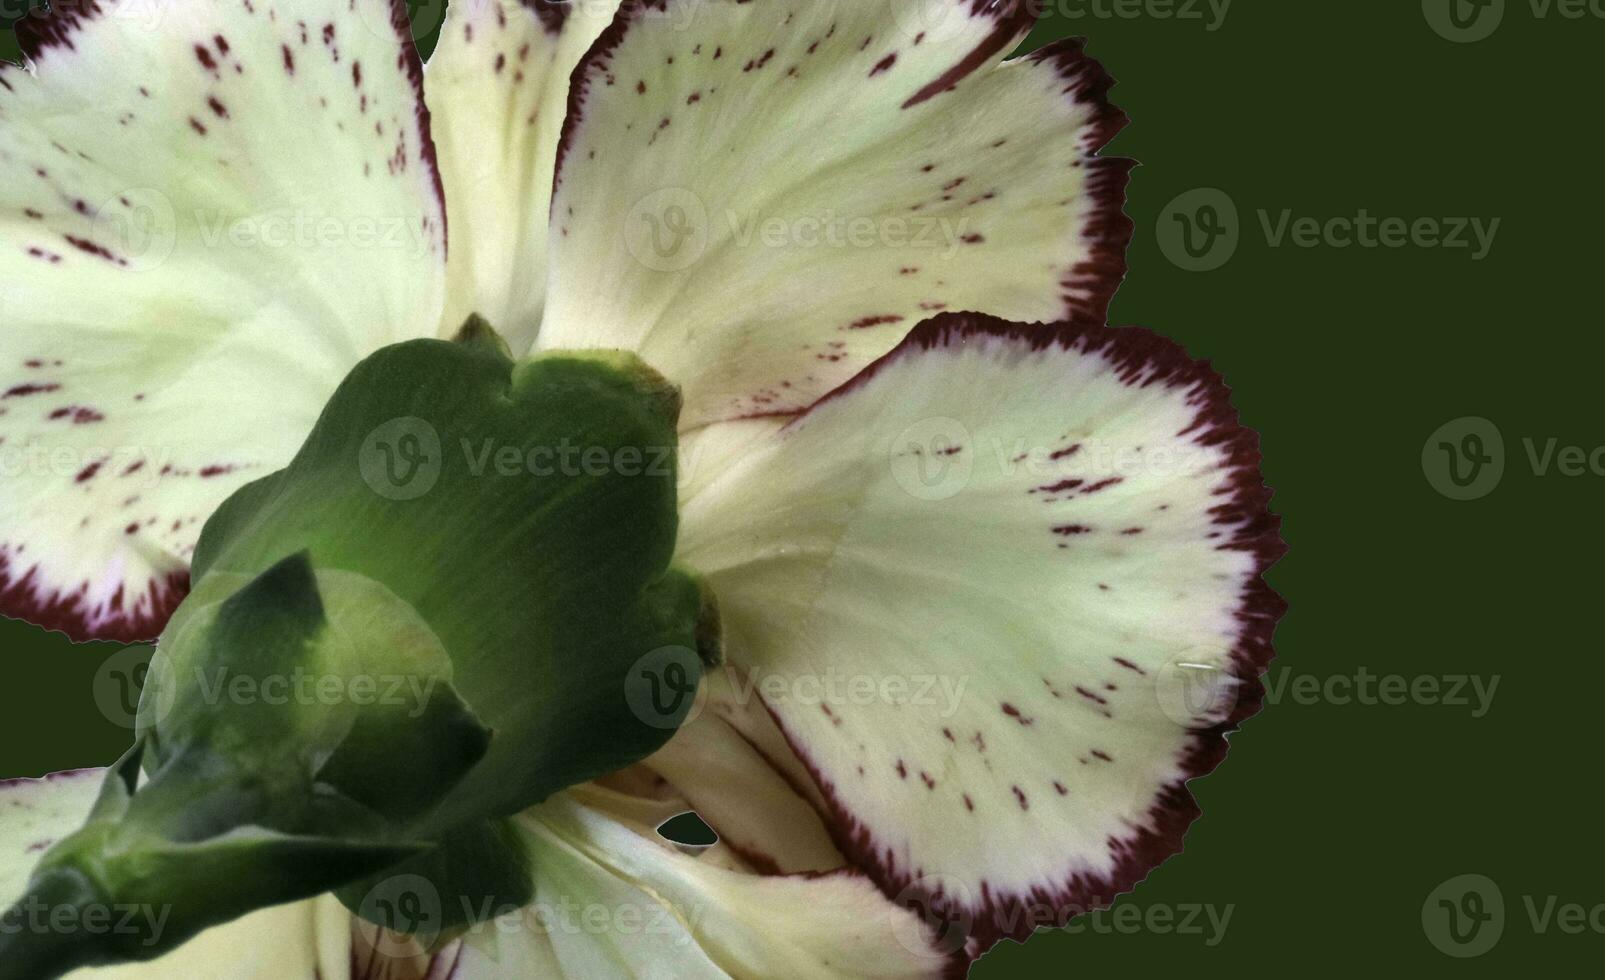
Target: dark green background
{"points": [[1331, 823]]}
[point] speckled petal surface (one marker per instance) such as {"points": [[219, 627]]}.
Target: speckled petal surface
{"points": [[498, 87], [1002, 595], [762, 197], [209, 213]]}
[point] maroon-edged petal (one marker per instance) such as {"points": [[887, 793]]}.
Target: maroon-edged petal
{"points": [[206, 219], [1002, 595], [761, 198]]}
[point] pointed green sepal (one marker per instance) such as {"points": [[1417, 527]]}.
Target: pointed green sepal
{"points": [[477, 332], [152, 895], [526, 513], [454, 602]]}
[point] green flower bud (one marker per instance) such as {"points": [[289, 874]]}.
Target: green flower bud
{"points": [[436, 616]]}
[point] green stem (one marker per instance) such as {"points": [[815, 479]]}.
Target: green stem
{"points": [[55, 928]]}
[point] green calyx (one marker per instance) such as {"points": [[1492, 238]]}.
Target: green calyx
{"points": [[455, 601]]}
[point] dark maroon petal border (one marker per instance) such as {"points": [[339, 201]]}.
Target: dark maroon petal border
{"points": [[595, 60], [553, 13], [64, 611], [1014, 18], [53, 27], [410, 62], [1140, 356], [1091, 286], [65, 775]]}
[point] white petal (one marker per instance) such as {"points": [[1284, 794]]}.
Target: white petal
{"points": [[34, 814], [612, 900], [1002, 593], [498, 88], [760, 198], [726, 777], [205, 221], [577, 884], [309, 940], [612, 903]]}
